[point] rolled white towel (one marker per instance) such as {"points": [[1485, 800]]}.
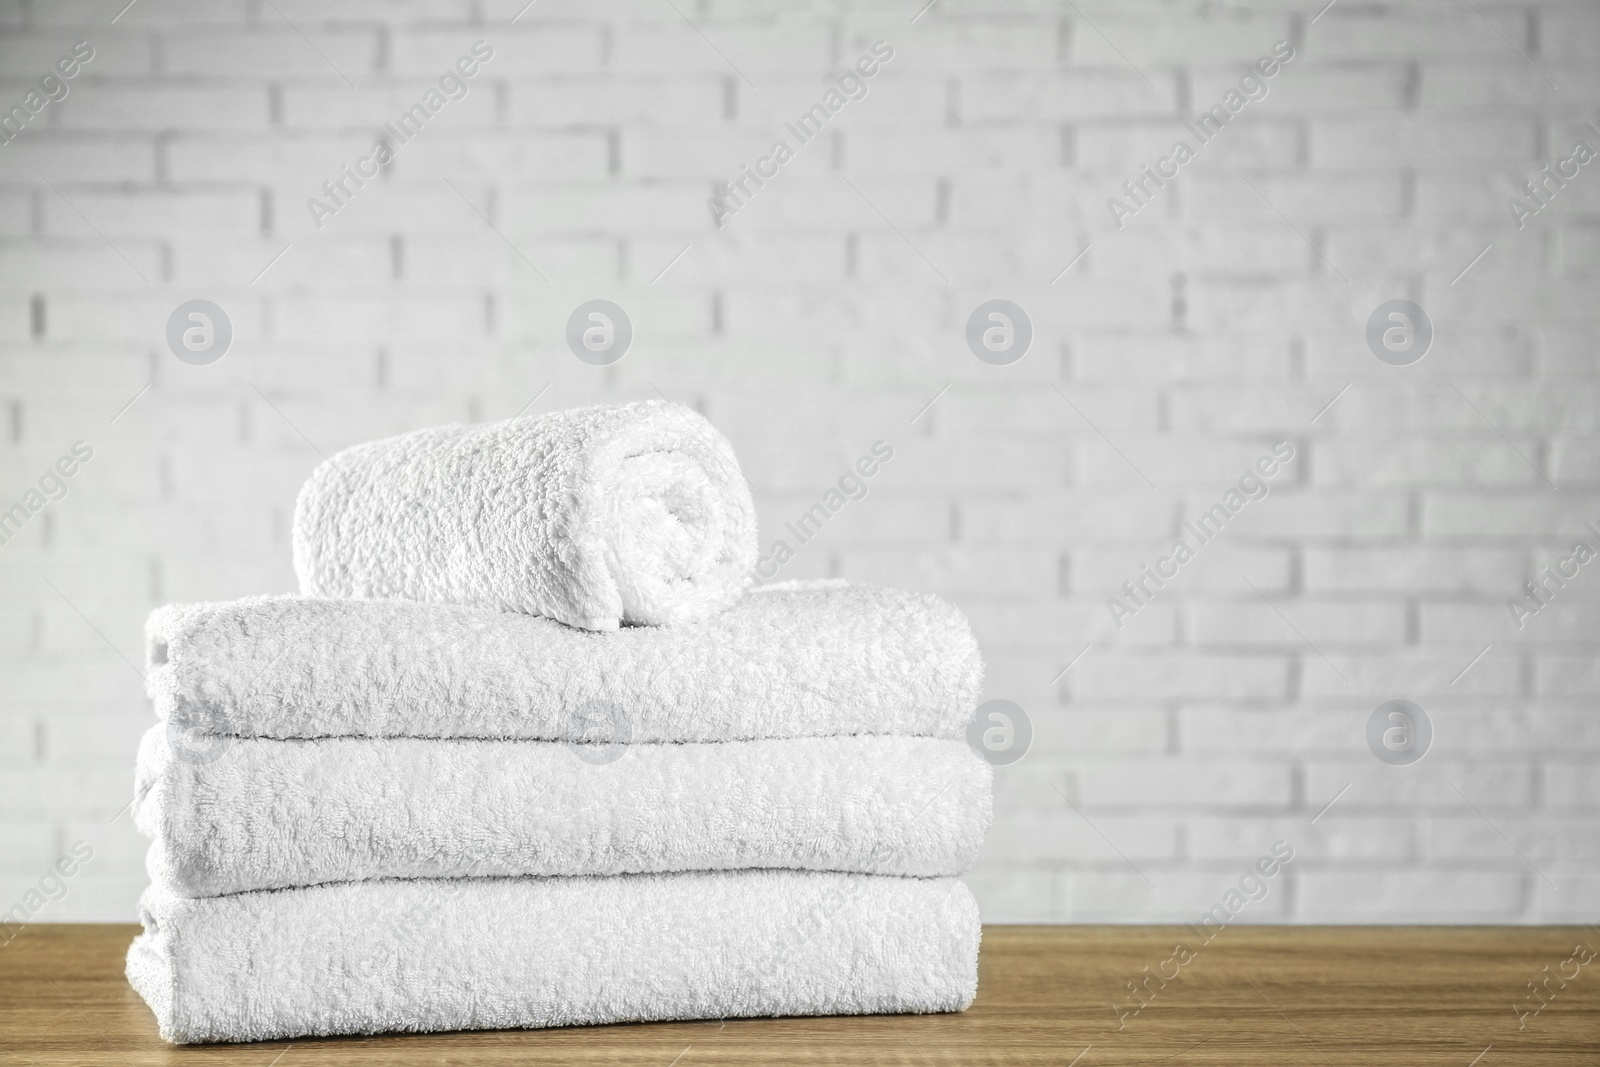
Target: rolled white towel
{"points": [[798, 662], [267, 814], [369, 957], [632, 513]]}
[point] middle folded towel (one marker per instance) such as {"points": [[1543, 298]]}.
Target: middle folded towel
{"points": [[266, 814]]}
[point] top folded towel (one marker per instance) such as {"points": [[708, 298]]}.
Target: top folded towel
{"points": [[800, 661], [633, 513]]}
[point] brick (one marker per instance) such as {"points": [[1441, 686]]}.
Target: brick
{"points": [[1351, 570], [1068, 625], [1306, 85], [1064, 94], [30, 849], [1244, 36], [622, 100], [117, 50], [1214, 569], [1284, 411], [1566, 903], [577, 156], [1543, 840], [1455, 461], [1324, 622], [1003, 43], [273, 50], [1049, 414], [1064, 835], [1398, 249], [1197, 463], [989, 199], [1243, 839], [16, 742], [76, 264], [1158, 358], [40, 156], [1208, 728], [48, 793], [1521, 726], [150, 214], [187, 104], [1191, 676], [1071, 731], [1429, 30], [1310, 197], [875, 149], [677, 207], [1568, 33], [1552, 297], [1461, 895], [1008, 895], [1108, 784], [1370, 141], [785, 42], [1323, 515], [1565, 352], [525, 47], [1428, 785], [1511, 83], [298, 161], [1564, 675], [1438, 672], [953, 571], [1572, 785], [1559, 521], [88, 12], [119, 847], [1164, 896], [16, 213], [1100, 518], [1248, 140], [100, 900], [1272, 248]]}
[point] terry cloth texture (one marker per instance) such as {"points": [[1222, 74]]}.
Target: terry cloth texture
{"points": [[598, 516], [473, 954], [793, 662], [266, 814]]}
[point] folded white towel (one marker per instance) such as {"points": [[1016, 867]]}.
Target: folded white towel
{"points": [[425, 955], [797, 662], [597, 516], [267, 814]]}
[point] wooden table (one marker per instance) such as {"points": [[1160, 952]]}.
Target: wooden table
{"points": [[1254, 995]]}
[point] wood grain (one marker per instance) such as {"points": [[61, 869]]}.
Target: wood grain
{"points": [[1413, 996]]}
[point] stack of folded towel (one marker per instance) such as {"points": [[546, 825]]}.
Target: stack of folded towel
{"points": [[526, 752]]}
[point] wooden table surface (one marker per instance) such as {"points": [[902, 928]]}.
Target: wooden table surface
{"points": [[1254, 995]]}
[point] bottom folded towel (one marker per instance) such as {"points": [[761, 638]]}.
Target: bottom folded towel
{"points": [[428, 955]]}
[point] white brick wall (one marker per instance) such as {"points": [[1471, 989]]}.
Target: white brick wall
{"points": [[1221, 319]]}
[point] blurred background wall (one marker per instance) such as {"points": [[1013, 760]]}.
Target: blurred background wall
{"points": [[1175, 340]]}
